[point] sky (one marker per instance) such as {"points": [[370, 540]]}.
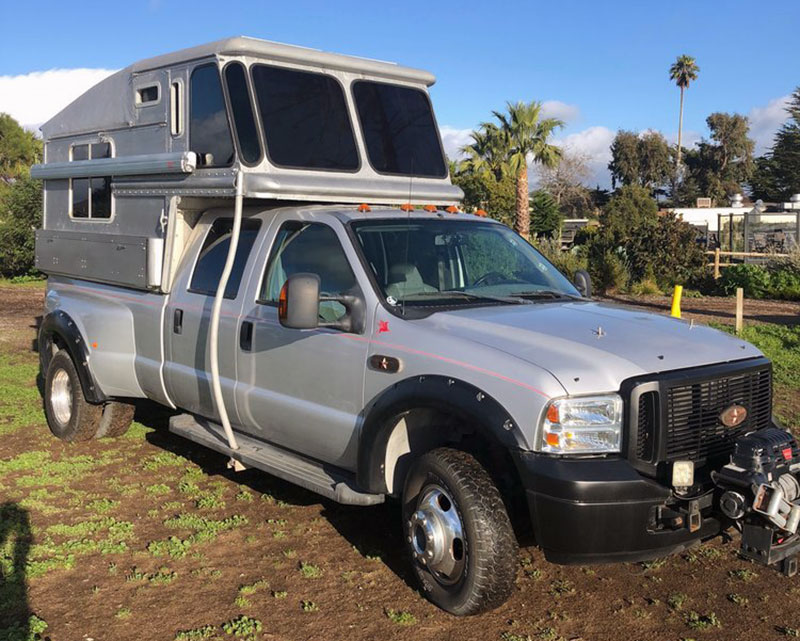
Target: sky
{"points": [[599, 66]]}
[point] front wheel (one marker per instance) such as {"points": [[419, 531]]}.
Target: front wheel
{"points": [[458, 534]]}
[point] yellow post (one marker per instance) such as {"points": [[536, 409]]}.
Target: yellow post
{"points": [[676, 301]]}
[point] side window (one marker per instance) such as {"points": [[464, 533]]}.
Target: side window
{"points": [[210, 262], [242, 110], [90, 197], [313, 248], [209, 134]]}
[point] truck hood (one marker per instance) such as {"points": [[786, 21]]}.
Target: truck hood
{"points": [[592, 347]]}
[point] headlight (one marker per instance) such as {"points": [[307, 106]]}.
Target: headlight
{"points": [[581, 425]]}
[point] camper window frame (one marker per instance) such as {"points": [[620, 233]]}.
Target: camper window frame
{"points": [[427, 95], [262, 139], [137, 88], [190, 108], [177, 107], [112, 206], [348, 110]]}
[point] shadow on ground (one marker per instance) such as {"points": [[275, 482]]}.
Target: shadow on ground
{"points": [[15, 542]]}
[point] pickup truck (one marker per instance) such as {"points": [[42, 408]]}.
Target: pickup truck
{"points": [[367, 353]]}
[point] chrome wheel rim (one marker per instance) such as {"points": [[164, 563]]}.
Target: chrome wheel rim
{"points": [[436, 535], [61, 397]]}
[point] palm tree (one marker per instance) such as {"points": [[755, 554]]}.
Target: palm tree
{"points": [[683, 71], [487, 153], [527, 136]]}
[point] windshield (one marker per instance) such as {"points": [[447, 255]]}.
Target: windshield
{"points": [[449, 262]]}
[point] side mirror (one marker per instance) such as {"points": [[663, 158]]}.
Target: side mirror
{"points": [[298, 305], [583, 283]]}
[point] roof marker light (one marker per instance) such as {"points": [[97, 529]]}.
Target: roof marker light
{"points": [[407, 207], [452, 209], [364, 207], [429, 207], [481, 213]]}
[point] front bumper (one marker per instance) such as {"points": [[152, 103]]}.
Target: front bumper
{"points": [[601, 510]]}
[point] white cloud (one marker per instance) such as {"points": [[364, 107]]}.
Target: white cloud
{"points": [[453, 140], [34, 98], [558, 109], [593, 143], [765, 121]]}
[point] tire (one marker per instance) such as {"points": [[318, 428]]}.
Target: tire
{"points": [[116, 419], [458, 535], [69, 416]]}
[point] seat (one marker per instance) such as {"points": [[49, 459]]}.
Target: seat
{"points": [[405, 280]]}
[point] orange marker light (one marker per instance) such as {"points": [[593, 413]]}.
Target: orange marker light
{"points": [[452, 209], [481, 213], [429, 207], [94, 345], [283, 307], [407, 207], [364, 207], [552, 439], [552, 414]]}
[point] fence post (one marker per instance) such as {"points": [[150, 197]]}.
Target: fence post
{"points": [[716, 264], [739, 309], [676, 301]]}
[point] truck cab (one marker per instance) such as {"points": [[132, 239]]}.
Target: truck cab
{"points": [[229, 232]]}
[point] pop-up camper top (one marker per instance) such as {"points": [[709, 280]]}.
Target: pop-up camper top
{"points": [[131, 164]]}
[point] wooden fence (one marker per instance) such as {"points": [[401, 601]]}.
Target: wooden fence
{"points": [[716, 264]]}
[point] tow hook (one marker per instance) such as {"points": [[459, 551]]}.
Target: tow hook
{"points": [[692, 516], [759, 493]]}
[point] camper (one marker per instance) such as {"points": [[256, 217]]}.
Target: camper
{"points": [[264, 238]]}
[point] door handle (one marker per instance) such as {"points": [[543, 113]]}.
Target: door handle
{"points": [[177, 321], [246, 336]]}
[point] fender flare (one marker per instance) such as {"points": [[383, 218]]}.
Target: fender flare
{"points": [[59, 323], [452, 396]]}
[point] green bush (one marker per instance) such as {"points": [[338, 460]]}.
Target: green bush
{"points": [[753, 279], [20, 216], [567, 262]]}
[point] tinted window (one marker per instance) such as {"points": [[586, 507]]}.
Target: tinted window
{"points": [[305, 119], [311, 248], [80, 197], [209, 135], [210, 262], [399, 130], [80, 152], [242, 110], [101, 150], [101, 198]]}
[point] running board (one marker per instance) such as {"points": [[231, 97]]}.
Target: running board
{"points": [[330, 482]]}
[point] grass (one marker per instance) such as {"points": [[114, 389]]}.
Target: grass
{"points": [[243, 627], [310, 571], [400, 617], [197, 634]]}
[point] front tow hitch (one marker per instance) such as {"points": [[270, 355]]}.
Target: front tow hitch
{"points": [[759, 492]]}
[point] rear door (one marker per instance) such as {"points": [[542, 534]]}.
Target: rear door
{"points": [[187, 365], [303, 389]]}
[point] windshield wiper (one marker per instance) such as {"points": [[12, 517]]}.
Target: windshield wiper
{"points": [[469, 295], [545, 293]]}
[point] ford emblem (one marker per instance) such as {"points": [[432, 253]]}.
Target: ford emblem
{"points": [[733, 416]]}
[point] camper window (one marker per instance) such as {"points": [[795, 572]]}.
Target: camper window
{"points": [[147, 95], [209, 135], [399, 130], [208, 268], [244, 121], [90, 197], [305, 119]]}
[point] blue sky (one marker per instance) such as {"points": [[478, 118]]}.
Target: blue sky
{"points": [[601, 65]]}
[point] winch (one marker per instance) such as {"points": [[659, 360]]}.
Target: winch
{"points": [[760, 493]]}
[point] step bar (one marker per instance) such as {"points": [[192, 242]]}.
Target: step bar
{"points": [[329, 481]]}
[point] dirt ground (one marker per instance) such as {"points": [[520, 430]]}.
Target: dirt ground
{"points": [[149, 537]]}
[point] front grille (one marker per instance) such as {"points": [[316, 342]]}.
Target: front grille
{"points": [[647, 425], [694, 430]]}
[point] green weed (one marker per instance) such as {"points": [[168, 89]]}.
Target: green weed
{"points": [[400, 617]]}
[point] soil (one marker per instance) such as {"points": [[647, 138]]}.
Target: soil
{"points": [[364, 581]]}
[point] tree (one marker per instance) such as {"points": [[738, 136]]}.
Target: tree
{"points": [[20, 216], [777, 174], [546, 218], [19, 149], [564, 183], [643, 160], [487, 153], [527, 136], [482, 190], [722, 164], [682, 72]]}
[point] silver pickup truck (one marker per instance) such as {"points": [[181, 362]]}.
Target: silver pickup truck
{"points": [[207, 248]]}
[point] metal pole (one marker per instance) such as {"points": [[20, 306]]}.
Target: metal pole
{"points": [[213, 331]]}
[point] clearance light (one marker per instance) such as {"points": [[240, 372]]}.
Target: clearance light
{"points": [[429, 207], [452, 209], [407, 207], [364, 207], [581, 425], [481, 213]]}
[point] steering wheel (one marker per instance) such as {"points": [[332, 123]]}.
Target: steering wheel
{"points": [[491, 278]]}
